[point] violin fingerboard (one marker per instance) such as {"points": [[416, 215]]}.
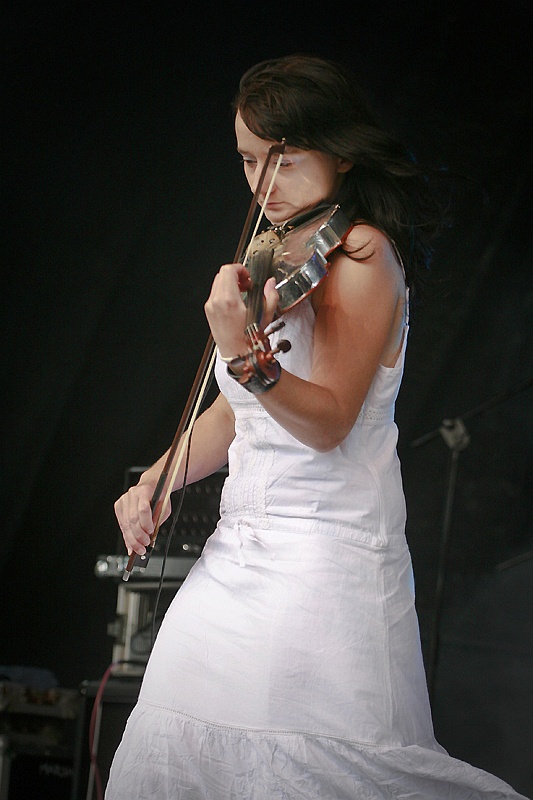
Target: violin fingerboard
{"points": [[260, 269]]}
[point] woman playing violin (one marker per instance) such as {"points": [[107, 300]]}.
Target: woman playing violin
{"points": [[289, 663]]}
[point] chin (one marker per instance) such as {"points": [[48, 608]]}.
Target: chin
{"points": [[276, 219], [277, 216]]}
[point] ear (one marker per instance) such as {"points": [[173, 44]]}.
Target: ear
{"points": [[344, 165]]}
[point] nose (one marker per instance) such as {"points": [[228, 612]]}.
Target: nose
{"points": [[267, 180]]}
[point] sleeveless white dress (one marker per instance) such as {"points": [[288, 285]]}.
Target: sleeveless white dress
{"points": [[288, 666]]}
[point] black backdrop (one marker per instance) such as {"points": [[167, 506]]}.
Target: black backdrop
{"points": [[121, 196]]}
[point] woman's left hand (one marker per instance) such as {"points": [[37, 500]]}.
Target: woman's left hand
{"points": [[226, 311]]}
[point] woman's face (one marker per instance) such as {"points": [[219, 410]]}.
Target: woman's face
{"points": [[305, 177]]}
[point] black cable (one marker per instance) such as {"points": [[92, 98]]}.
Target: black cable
{"points": [[175, 518]]}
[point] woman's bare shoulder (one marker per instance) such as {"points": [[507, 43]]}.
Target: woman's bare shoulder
{"points": [[365, 242]]}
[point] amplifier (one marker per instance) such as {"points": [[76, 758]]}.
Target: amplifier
{"points": [[141, 605], [36, 752], [34, 770], [143, 600], [118, 698]]}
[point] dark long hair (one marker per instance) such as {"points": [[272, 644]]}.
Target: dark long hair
{"points": [[315, 104]]}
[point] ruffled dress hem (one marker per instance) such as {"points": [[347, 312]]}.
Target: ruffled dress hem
{"points": [[167, 754]]}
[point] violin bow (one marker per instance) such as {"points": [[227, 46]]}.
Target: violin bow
{"points": [[166, 480]]}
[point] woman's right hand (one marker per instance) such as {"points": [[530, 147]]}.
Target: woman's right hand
{"points": [[214, 431], [134, 515]]}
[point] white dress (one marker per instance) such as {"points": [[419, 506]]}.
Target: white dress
{"points": [[288, 666]]}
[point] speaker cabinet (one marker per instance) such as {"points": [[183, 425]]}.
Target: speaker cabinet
{"points": [[37, 770], [118, 699]]}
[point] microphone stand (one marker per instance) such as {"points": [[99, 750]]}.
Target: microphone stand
{"points": [[457, 438]]}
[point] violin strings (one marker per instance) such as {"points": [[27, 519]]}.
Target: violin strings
{"points": [[262, 262]]}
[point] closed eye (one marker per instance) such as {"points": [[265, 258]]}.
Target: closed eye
{"points": [[248, 162]]}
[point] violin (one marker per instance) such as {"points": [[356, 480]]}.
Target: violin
{"points": [[300, 250], [296, 255]]}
